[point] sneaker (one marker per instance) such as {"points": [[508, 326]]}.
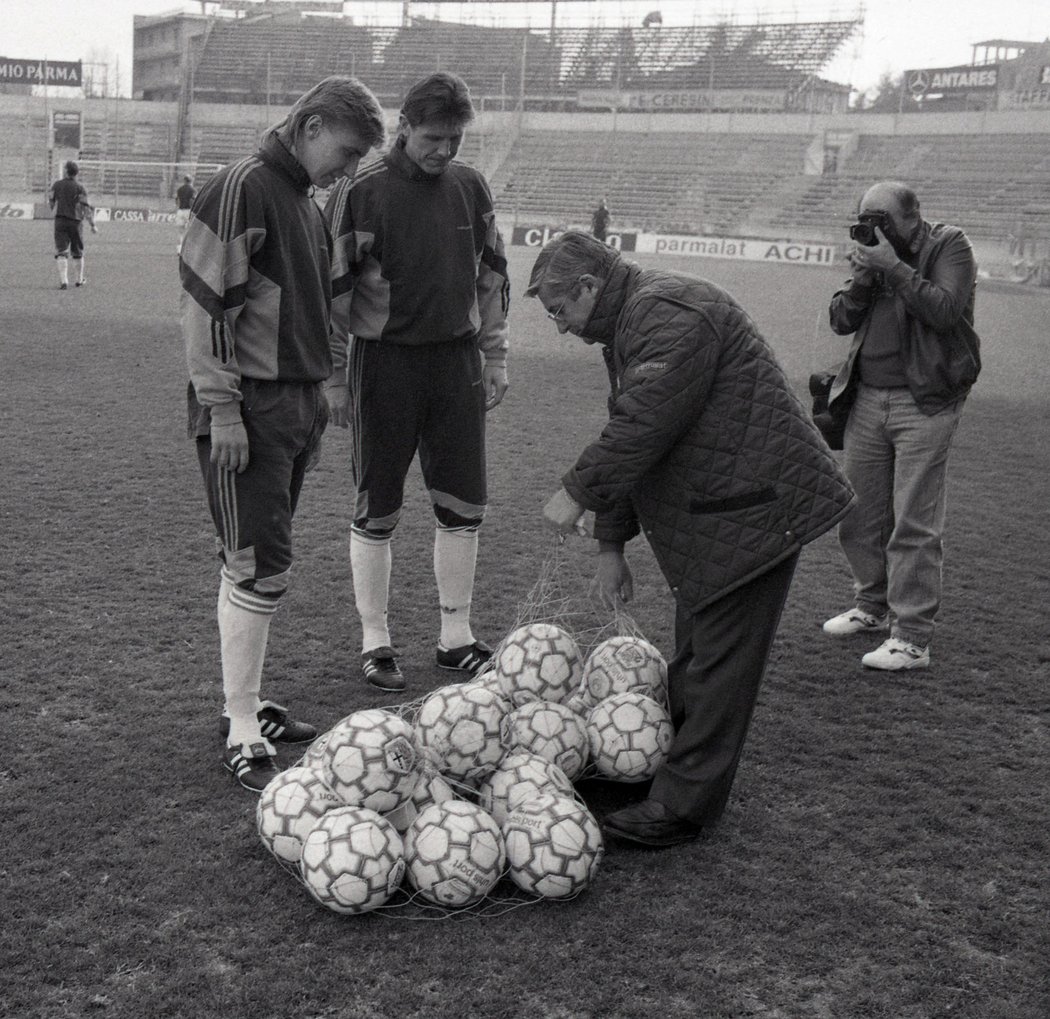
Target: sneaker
{"points": [[63, 286], [854, 621], [895, 654], [473, 658], [381, 669], [80, 283], [275, 725], [253, 768]]}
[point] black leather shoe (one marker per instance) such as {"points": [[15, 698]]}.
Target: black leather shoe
{"points": [[650, 823]]}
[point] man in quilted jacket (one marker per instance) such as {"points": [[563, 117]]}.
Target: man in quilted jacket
{"points": [[710, 453]]}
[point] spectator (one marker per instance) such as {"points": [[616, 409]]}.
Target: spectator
{"points": [[183, 203], [708, 451], [420, 297], [913, 359], [256, 278], [70, 202], [600, 221]]}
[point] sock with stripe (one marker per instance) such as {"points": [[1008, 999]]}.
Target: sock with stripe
{"points": [[244, 627], [63, 269], [455, 559], [370, 565]]}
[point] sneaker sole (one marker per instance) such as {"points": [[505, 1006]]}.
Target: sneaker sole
{"points": [[896, 668]]}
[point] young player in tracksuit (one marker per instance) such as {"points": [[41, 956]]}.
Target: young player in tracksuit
{"points": [[420, 287], [256, 277]]}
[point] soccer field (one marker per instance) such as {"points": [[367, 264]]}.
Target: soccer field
{"points": [[883, 855]]}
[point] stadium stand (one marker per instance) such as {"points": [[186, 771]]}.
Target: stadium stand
{"points": [[977, 180], [699, 182]]}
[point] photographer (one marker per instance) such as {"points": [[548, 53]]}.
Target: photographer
{"points": [[913, 359]]}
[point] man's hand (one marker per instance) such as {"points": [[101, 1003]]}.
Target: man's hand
{"points": [[338, 398], [612, 583], [494, 379], [865, 277], [229, 446], [564, 513], [879, 258]]}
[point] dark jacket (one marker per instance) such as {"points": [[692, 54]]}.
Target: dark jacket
{"points": [[939, 348], [707, 447]]}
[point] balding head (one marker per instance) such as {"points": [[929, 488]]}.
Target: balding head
{"points": [[900, 205]]}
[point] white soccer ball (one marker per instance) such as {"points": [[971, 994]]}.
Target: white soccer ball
{"points": [[454, 851], [431, 788], [538, 662], [551, 730], [372, 760], [313, 758], [460, 726], [630, 735], [353, 860], [624, 665], [554, 846], [520, 776], [289, 807]]}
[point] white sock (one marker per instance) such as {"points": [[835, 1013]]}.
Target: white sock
{"points": [[455, 558], [63, 270], [370, 564], [80, 269], [244, 626]]}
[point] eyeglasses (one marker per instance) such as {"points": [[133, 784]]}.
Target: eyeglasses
{"points": [[555, 315]]}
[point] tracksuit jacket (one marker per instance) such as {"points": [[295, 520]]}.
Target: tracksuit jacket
{"points": [[707, 448], [418, 259], [256, 278]]}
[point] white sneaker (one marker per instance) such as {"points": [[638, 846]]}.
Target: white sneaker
{"points": [[895, 654], [854, 621]]}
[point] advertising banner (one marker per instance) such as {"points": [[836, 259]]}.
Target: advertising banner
{"points": [[750, 100], [951, 80], [16, 210], [69, 73], [750, 249], [537, 236]]}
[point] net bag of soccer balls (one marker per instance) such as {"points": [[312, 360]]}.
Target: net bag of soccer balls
{"points": [[441, 803]]}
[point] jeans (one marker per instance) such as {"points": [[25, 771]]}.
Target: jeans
{"points": [[896, 458]]}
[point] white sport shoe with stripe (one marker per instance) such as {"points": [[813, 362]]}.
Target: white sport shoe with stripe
{"points": [[854, 621], [894, 654]]}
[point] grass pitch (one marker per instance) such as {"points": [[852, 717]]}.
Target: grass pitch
{"points": [[884, 853]]}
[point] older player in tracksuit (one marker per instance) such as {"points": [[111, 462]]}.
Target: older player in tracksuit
{"points": [[256, 279], [420, 295]]}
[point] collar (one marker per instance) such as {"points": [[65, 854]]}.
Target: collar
{"points": [[399, 160], [618, 286], [277, 155]]}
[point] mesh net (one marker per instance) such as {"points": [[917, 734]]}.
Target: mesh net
{"points": [[565, 596]]}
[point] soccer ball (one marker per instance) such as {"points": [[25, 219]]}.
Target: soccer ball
{"points": [[520, 776], [455, 853], [630, 735], [554, 846], [431, 788], [624, 665], [313, 756], [538, 662], [551, 730], [353, 860], [461, 726], [290, 805], [372, 760]]}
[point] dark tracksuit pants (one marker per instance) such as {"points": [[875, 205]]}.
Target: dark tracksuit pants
{"points": [[713, 682]]}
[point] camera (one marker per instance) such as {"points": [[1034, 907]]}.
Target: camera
{"points": [[863, 231]]}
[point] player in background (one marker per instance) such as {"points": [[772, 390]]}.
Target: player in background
{"points": [[70, 202], [419, 310], [184, 196], [600, 221], [256, 279]]}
